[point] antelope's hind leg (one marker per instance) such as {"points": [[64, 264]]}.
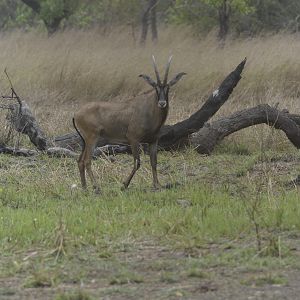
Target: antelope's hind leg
{"points": [[88, 163], [81, 167]]}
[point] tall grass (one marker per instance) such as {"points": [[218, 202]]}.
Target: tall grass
{"points": [[58, 74]]}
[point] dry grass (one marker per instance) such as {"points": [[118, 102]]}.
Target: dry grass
{"points": [[58, 74]]}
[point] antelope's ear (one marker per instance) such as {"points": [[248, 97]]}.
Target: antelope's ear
{"points": [[176, 78], [148, 80]]}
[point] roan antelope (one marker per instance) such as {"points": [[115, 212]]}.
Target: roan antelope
{"points": [[134, 122]]}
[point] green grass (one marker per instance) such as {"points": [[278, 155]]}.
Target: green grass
{"points": [[39, 198], [80, 295], [261, 280], [53, 235]]}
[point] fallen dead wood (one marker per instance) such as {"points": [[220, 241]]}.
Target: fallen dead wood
{"points": [[206, 139], [195, 130], [22, 120], [172, 134], [17, 152], [104, 151]]}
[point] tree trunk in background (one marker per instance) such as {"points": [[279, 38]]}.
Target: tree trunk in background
{"points": [[149, 10], [154, 23], [144, 27], [53, 25], [224, 12]]}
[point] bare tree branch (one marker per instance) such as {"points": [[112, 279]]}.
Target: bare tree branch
{"points": [[211, 134]]}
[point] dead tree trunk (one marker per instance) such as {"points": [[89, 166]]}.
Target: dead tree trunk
{"points": [[24, 122], [170, 135], [206, 139]]}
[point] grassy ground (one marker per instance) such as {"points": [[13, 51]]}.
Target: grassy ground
{"points": [[229, 223], [227, 227]]}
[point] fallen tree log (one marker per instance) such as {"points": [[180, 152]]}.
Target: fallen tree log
{"points": [[195, 130], [23, 121], [206, 139], [17, 152], [170, 135]]}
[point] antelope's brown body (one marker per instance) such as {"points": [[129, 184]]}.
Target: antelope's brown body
{"points": [[133, 122]]}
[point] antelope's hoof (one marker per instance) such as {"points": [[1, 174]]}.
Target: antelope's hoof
{"points": [[124, 187], [157, 187], [97, 190]]}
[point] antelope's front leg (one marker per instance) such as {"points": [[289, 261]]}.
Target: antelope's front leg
{"points": [[153, 161], [136, 163]]}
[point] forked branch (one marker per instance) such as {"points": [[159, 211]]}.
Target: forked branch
{"points": [[14, 95]]}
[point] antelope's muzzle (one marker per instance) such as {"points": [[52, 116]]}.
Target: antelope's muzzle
{"points": [[162, 104]]}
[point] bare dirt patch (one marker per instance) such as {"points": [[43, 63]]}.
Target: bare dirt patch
{"points": [[151, 271]]}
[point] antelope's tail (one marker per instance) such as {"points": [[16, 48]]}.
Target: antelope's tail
{"points": [[83, 141]]}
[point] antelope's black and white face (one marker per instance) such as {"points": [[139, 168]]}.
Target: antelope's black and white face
{"points": [[162, 93], [162, 88]]}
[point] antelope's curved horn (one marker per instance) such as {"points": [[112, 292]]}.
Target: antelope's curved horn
{"points": [[167, 70], [155, 69]]}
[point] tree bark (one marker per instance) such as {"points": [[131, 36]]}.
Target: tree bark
{"points": [[24, 122], [224, 13], [53, 25], [154, 22], [148, 10], [206, 139], [17, 152]]}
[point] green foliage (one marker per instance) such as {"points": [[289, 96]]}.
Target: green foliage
{"points": [[199, 15], [14, 14], [51, 9], [246, 16], [106, 12], [270, 15], [203, 14], [243, 6]]}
